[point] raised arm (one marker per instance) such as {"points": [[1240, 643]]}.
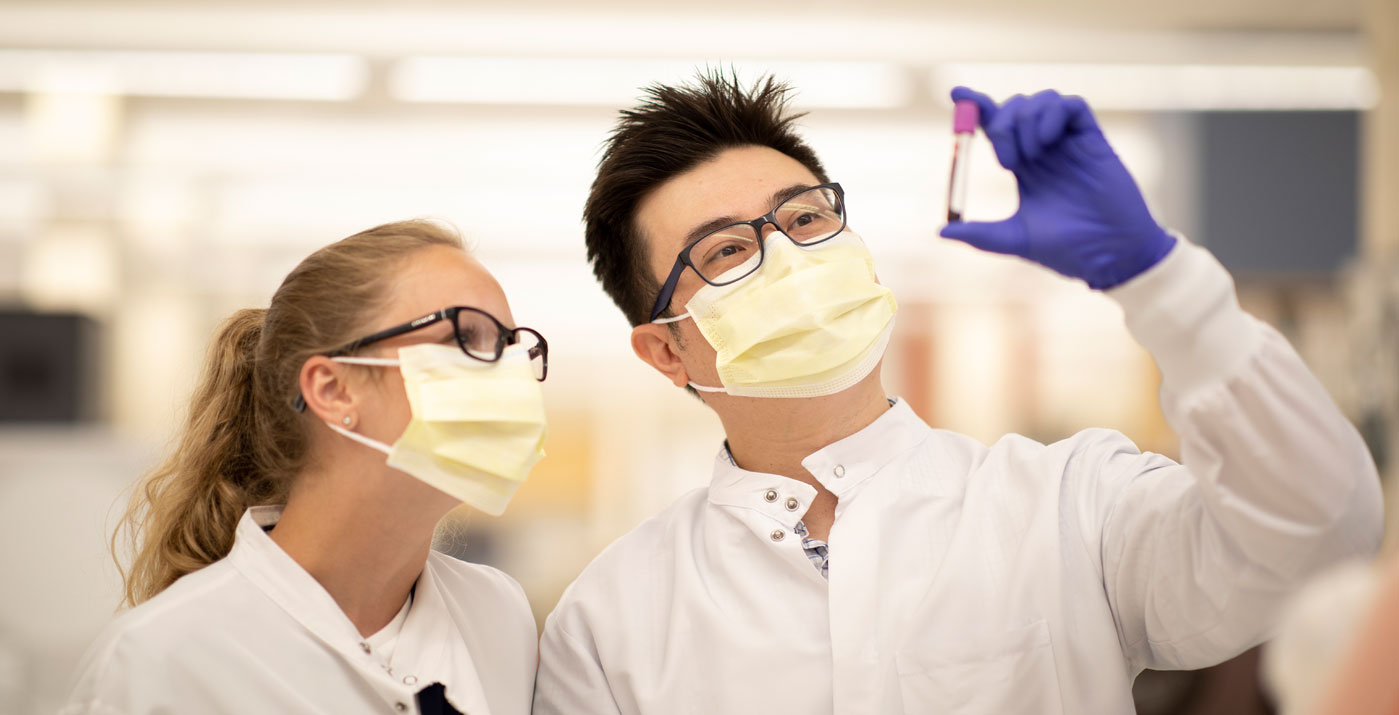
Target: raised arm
{"points": [[1274, 483]]}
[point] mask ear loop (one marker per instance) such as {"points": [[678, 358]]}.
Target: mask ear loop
{"points": [[378, 362], [676, 319], [366, 441], [299, 403]]}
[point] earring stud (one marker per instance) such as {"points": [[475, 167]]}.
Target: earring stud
{"points": [[347, 420]]}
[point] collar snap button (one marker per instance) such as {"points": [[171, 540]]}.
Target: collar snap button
{"points": [[839, 471], [778, 535], [770, 495]]}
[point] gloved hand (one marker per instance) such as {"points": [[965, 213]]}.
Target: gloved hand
{"points": [[1080, 211]]}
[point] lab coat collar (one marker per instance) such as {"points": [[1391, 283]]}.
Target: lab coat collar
{"points": [[284, 581], [780, 498], [424, 651], [435, 658], [841, 467], [845, 466]]}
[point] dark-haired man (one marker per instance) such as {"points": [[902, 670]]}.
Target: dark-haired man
{"points": [[846, 557]]}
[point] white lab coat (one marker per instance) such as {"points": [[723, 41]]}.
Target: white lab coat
{"points": [[1014, 578], [255, 633]]}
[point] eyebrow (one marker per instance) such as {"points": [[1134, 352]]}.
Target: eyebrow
{"points": [[712, 225]]}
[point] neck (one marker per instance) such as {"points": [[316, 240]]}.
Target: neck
{"points": [[774, 435], [364, 537]]}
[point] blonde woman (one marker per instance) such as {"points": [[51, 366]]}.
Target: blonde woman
{"points": [[282, 562]]}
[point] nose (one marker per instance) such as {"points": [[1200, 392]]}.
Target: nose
{"points": [[781, 255]]}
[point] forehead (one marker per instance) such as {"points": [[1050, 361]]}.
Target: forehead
{"points": [[439, 276], [738, 183]]}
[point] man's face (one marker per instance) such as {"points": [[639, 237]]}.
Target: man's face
{"points": [[738, 185]]}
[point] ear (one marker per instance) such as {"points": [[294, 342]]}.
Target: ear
{"points": [[656, 346], [325, 391]]}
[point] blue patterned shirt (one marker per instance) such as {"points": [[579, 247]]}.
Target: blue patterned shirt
{"points": [[817, 550]]}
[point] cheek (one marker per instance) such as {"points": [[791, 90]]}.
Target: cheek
{"points": [[684, 291], [387, 412], [696, 352], [395, 399]]}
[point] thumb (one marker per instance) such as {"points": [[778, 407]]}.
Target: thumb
{"points": [[986, 107], [1006, 236]]}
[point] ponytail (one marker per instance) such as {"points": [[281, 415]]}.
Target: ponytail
{"points": [[242, 444], [183, 514]]}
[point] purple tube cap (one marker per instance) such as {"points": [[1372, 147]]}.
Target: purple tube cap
{"points": [[965, 117]]}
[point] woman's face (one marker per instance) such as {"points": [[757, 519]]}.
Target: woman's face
{"points": [[433, 278]]}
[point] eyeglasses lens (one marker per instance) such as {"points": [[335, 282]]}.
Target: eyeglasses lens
{"points": [[538, 357], [732, 252], [478, 334]]}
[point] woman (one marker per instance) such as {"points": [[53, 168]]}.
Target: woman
{"points": [[282, 564]]}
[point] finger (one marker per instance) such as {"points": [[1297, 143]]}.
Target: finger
{"points": [[1001, 131], [987, 107], [1027, 125], [1080, 116], [1052, 122], [1006, 236]]}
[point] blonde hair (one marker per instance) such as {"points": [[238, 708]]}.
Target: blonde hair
{"points": [[242, 442]]}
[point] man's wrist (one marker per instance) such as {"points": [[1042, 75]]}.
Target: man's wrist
{"points": [[1154, 248]]}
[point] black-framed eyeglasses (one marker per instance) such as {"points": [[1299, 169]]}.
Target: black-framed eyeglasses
{"points": [[477, 333], [733, 252]]}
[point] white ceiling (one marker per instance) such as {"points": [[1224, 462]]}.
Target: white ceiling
{"points": [[1193, 15], [909, 31]]}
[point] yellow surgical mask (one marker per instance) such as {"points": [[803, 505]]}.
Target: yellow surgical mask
{"points": [[477, 427], [811, 321]]}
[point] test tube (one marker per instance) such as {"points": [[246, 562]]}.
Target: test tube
{"points": [[965, 117]]}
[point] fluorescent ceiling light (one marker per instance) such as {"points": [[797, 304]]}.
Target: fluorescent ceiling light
{"points": [[615, 83], [1173, 87], [235, 75]]}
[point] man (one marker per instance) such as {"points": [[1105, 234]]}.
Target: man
{"points": [[846, 557]]}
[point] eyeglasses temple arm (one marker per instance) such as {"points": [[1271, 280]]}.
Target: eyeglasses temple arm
{"points": [[668, 289]]}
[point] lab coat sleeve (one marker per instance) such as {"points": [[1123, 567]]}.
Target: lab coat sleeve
{"points": [[1274, 483], [571, 678]]}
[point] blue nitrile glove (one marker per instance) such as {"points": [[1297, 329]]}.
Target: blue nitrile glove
{"points": [[1080, 211]]}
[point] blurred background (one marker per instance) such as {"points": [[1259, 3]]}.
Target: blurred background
{"points": [[165, 163]]}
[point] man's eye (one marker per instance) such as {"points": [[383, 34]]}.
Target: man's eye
{"points": [[722, 248], [724, 255]]}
